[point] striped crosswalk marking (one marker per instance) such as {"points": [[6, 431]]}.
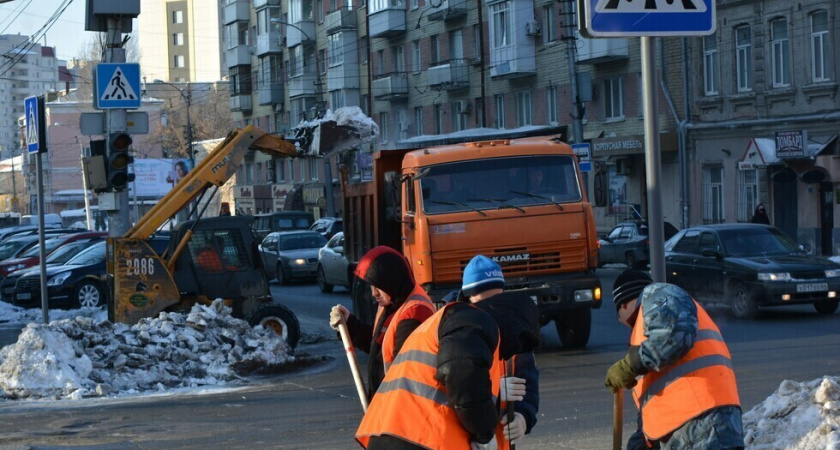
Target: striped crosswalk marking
{"points": [[650, 6]]}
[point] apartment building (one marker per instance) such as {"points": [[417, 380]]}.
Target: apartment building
{"points": [[764, 118], [26, 69], [180, 41]]}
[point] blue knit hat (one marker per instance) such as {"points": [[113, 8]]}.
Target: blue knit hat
{"points": [[481, 274]]}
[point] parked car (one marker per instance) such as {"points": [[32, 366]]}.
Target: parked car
{"points": [[281, 221], [628, 243], [79, 282], [16, 246], [748, 266], [328, 226], [58, 257], [291, 254], [32, 256], [333, 265]]}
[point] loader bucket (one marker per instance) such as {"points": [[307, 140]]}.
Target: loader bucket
{"points": [[345, 129]]}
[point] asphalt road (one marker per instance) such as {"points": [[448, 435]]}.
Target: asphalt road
{"points": [[316, 407]]}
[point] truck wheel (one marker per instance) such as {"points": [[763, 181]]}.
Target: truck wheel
{"points": [[279, 319], [573, 327], [278, 273], [742, 301], [325, 287], [89, 294], [826, 306]]}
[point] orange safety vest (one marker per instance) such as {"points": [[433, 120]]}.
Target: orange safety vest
{"points": [[701, 380], [411, 404], [417, 298]]}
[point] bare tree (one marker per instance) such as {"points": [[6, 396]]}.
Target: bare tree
{"points": [[93, 52], [209, 115]]}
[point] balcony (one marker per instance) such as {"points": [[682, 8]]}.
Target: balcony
{"points": [[392, 86], [448, 10], [343, 19], [238, 56], [304, 84], [599, 51], [301, 32], [237, 11], [388, 22], [269, 43], [263, 3], [241, 102], [343, 76], [270, 94], [451, 76]]}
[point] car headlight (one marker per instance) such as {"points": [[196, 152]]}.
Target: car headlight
{"points": [[832, 273], [778, 276], [58, 279], [299, 261], [16, 267]]}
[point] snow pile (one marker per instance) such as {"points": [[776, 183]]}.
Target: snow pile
{"points": [[798, 416], [86, 357], [17, 315]]}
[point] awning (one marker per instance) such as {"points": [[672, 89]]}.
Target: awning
{"points": [[818, 142], [589, 135]]}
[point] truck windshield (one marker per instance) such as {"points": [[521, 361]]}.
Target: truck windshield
{"points": [[517, 181]]}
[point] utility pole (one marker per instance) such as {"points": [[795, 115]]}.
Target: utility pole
{"points": [[571, 51], [189, 128]]}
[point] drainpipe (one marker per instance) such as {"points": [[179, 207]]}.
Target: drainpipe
{"points": [[683, 136], [483, 65], [680, 129]]}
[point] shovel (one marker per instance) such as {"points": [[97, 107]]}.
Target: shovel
{"points": [[618, 418], [354, 365]]}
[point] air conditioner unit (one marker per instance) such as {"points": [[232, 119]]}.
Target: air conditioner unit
{"points": [[532, 28], [463, 106]]}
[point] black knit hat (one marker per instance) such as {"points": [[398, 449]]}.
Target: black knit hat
{"points": [[629, 285]]}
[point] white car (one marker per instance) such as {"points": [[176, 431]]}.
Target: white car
{"points": [[332, 265]]}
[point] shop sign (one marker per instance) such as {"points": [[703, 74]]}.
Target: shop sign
{"points": [[791, 144], [618, 146]]}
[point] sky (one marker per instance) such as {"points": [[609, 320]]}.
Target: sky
{"points": [[81, 357], [67, 35]]}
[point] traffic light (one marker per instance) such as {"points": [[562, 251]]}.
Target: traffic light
{"points": [[118, 161], [95, 168]]}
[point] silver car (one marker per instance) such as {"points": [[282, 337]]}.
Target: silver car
{"points": [[291, 254], [332, 265]]}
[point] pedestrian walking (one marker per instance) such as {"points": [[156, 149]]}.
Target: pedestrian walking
{"points": [[403, 306], [760, 215], [686, 394], [442, 390], [483, 279]]}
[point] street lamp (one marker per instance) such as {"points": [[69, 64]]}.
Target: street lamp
{"points": [[188, 99]]}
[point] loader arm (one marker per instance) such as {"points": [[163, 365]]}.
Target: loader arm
{"points": [[218, 167]]}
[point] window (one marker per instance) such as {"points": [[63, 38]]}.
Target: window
{"points": [[177, 16], [292, 170], [476, 43], [434, 49], [178, 39], [313, 169], [280, 170], [380, 62], [398, 54], [459, 115], [500, 23], [780, 53], [415, 4], [365, 50], [711, 76], [383, 126], [240, 80], [456, 44], [551, 105], [296, 61], [179, 60], [713, 194], [379, 5], [322, 61], [548, 24], [337, 99], [319, 8], [418, 121], [271, 69], [613, 99], [404, 124], [415, 56], [747, 194], [300, 10], [819, 46], [438, 119], [334, 49], [499, 100], [524, 109], [743, 58]]}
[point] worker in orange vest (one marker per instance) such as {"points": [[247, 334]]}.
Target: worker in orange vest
{"points": [[442, 390], [687, 394], [403, 306]]}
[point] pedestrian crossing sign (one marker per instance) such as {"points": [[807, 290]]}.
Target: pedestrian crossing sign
{"points": [[117, 86], [621, 18], [35, 133]]}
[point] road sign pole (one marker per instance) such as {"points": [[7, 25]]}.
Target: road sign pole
{"points": [[653, 164], [44, 293]]}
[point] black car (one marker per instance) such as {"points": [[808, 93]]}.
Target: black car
{"points": [[56, 258], [328, 226], [748, 266], [79, 282]]}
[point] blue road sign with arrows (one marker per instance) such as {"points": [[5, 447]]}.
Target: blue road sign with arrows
{"points": [[117, 86], [618, 18]]}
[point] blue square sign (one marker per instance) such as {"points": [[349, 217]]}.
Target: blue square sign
{"points": [[34, 111], [619, 18], [117, 86]]}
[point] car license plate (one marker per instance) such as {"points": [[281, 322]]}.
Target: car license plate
{"points": [[24, 296], [812, 287]]}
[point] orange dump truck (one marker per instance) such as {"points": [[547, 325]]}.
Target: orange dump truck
{"points": [[520, 202]]}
